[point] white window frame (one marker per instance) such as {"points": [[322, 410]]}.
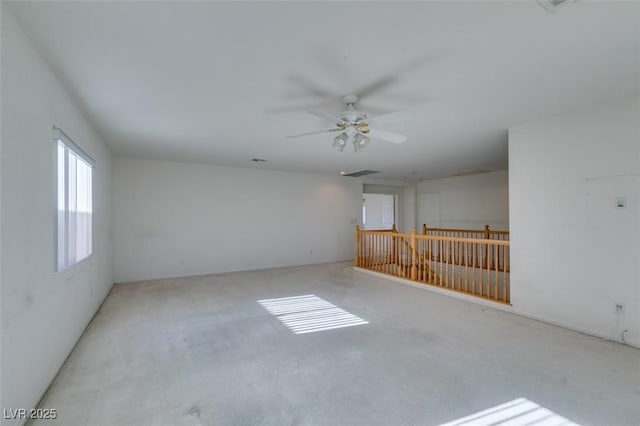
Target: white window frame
{"points": [[61, 139]]}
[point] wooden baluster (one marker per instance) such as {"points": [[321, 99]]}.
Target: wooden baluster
{"points": [[445, 262], [357, 242], [363, 245], [363, 238], [454, 260], [397, 255], [495, 267], [487, 235], [473, 267], [421, 258], [405, 258], [387, 245], [368, 250], [450, 277], [383, 252], [500, 259], [459, 268], [466, 267], [373, 251], [381, 263], [505, 284], [393, 246], [379, 260], [414, 270], [440, 264], [481, 269], [452, 252], [417, 250], [429, 257], [377, 252], [393, 255], [458, 262], [488, 270]]}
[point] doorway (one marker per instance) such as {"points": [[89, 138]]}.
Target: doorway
{"points": [[378, 211]]}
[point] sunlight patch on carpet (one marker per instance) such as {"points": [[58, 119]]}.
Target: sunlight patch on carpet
{"points": [[518, 412], [309, 313]]}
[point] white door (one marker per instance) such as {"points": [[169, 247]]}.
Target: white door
{"points": [[430, 209]]}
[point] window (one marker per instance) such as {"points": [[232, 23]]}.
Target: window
{"points": [[74, 202]]}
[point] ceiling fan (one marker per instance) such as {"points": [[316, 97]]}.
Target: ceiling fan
{"points": [[354, 126]]}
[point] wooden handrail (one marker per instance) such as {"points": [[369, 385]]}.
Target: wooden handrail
{"points": [[392, 229], [425, 229], [464, 240]]}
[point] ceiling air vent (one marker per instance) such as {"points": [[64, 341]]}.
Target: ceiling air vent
{"points": [[550, 5], [360, 173], [469, 172]]}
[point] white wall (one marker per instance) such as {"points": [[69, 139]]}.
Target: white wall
{"points": [[573, 254], [43, 313], [470, 202], [408, 209], [177, 219]]}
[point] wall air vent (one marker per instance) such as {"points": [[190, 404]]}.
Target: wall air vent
{"points": [[360, 173]]}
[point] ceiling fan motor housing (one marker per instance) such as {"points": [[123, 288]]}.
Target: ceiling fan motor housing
{"points": [[352, 117]]}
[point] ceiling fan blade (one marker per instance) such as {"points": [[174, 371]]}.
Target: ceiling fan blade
{"points": [[386, 136], [393, 76], [314, 133], [332, 118], [392, 117], [375, 86], [331, 103], [310, 87]]}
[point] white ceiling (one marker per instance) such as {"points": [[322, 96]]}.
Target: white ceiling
{"points": [[222, 83]]}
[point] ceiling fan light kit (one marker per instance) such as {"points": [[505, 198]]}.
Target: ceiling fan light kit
{"points": [[354, 126], [360, 142], [340, 141]]}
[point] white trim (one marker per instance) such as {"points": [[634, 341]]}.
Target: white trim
{"points": [[59, 136]]}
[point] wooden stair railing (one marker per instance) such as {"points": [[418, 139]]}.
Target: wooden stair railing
{"points": [[475, 266]]}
